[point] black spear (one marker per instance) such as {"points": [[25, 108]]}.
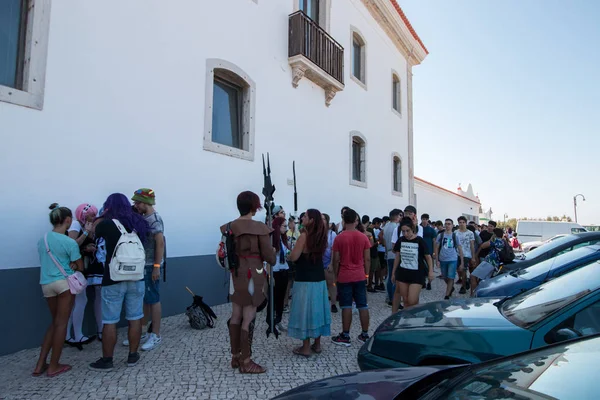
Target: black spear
{"points": [[268, 191]]}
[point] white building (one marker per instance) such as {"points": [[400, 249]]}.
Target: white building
{"points": [[103, 97], [442, 203]]}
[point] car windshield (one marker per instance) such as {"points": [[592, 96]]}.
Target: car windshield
{"points": [[558, 372], [528, 308], [548, 246], [541, 269]]}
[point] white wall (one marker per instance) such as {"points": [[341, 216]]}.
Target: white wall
{"points": [[440, 204], [124, 108]]}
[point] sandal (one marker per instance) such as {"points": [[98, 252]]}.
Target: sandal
{"points": [[298, 351], [251, 368], [44, 369], [316, 349], [61, 370], [235, 362]]}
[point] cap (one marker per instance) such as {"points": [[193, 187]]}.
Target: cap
{"points": [[145, 196]]}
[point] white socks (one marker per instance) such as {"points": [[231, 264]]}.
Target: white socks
{"points": [[76, 318]]}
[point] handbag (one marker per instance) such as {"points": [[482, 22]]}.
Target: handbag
{"points": [[77, 282]]}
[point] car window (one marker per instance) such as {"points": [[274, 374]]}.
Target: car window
{"points": [[578, 245], [583, 323], [528, 308], [577, 230], [554, 244], [542, 268]]}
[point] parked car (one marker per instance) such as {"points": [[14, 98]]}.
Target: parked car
{"points": [[552, 249], [562, 371], [459, 331], [528, 246], [521, 280], [543, 230]]}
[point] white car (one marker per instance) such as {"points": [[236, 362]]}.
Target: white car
{"points": [[534, 245]]}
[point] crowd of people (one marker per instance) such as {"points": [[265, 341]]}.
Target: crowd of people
{"points": [[86, 242], [319, 264]]}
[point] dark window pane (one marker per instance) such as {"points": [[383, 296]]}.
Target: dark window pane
{"points": [[356, 160], [356, 67], [395, 96], [310, 8], [226, 126], [396, 175], [10, 26]]}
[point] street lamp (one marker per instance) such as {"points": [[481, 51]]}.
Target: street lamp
{"points": [[505, 216], [575, 204]]}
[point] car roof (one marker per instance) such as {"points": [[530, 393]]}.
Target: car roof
{"points": [[587, 235]]}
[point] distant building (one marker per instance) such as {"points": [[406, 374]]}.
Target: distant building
{"points": [[441, 203]]}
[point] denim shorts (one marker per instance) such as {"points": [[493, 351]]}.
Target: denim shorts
{"points": [[356, 291], [112, 301], [449, 269], [152, 295]]}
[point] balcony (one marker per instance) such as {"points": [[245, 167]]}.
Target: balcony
{"points": [[314, 54]]}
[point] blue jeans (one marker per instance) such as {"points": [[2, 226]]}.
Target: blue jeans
{"points": [[112, 301], [152, 295], [449, 268], [390, 287], [356, 291]]}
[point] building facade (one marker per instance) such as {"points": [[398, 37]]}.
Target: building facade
{"points": [[442, 203], [104, 97]]}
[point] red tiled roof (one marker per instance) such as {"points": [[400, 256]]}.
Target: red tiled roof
{"points": [[446, 190], [407, 22]]}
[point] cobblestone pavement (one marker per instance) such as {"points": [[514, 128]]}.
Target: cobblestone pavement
{"points": [[192, 364]]}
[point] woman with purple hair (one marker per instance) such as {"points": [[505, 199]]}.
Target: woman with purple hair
{"points": [[114, 294]]}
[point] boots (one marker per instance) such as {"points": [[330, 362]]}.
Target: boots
{"points": [[249, 367], [234, 338]]}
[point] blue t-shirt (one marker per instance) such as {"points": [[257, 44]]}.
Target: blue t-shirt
{"points": [[327, 255], [429, 235], [64, 249]]}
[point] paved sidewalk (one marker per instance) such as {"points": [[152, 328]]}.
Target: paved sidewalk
{"points": [[192, 364]]}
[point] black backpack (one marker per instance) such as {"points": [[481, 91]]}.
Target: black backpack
{"points": [[440, 236], [507, 254]]}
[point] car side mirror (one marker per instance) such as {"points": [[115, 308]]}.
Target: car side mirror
{"points": [[566, 334]]}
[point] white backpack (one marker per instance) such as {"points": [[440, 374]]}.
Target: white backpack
{"points": [[129, 258]]}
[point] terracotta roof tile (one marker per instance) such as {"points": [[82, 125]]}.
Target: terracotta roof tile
{"points": [[408, 24]]}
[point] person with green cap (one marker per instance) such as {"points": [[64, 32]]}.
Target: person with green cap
{"points": [[144, 201]]}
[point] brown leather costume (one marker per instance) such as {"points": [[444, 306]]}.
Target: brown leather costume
{"points": [[253, 246]]}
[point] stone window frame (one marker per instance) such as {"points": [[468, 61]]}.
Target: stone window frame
{"points": [[31, 92], [396, 156], [324, 13], [356, 135], [398, 89], [230, 72], [356, 33]]}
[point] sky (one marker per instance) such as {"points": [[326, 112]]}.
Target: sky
{"points": [[508, 99]]}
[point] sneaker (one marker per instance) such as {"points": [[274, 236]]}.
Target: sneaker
{"points": [[462, 290], [380, 288], [342, 340], [428, 287], [102, 365], [281, 327], [152, 342], [389, 303], [133, 359], [371, 290], [334, 308], [142, 339], [363, 338], [286, 309]]}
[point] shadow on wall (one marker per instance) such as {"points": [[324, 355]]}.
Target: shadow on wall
{"points": [[26, 316]]}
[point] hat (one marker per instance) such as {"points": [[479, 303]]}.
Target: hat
{"points": [[411, 209], [145, 196], [276, 209]]}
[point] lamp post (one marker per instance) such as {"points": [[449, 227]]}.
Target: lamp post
{"points": [[575, 204], [505, 216]]}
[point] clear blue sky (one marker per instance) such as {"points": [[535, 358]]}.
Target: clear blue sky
{"points": [[510, 97]]}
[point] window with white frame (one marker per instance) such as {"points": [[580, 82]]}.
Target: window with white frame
{"points": [[229, 113], [396, 93], [358, 159], [396, 174], [358, 58], [317, 10], [23, 48]]}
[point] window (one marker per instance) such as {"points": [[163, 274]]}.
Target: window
{"points": [[310, 8], [358, 160], [23, 47], [358, 58], [396, 174], [584, 323], [396, 103], [229, 112]]}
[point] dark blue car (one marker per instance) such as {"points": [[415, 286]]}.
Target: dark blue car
{"points": [[524, 279]]}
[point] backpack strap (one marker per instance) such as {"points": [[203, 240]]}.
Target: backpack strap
{"points": [[120, 227]]}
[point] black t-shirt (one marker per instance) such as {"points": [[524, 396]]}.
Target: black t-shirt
{"points": [[412, 253], [111, 235], [374, 247], [484, 236]]}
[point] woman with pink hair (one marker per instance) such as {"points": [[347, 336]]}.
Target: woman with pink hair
{"points": [[82, 231]]}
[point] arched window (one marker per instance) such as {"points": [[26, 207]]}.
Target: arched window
{"points": [[396, 93], [396, 174], [358, 159], [359, 58], [229, 112]]}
